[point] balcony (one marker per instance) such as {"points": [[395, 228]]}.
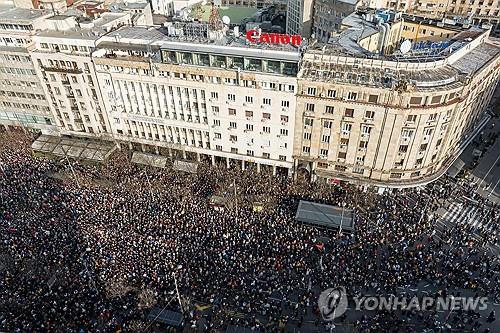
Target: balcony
{"points": [[62, 70]]}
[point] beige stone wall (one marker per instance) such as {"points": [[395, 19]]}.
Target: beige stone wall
{"points": [[437, 119]]}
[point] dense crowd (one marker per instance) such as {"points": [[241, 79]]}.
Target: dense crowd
{"points": [[95, 249]]}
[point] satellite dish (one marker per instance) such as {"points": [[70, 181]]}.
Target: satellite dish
{"points": [[405, 47], [226, 20]]}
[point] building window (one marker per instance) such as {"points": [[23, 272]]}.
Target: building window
{"points": [[266, 129], [285, 104], [250, 152], [232, 125], [403, 148], [249, 99], [311, 91], [306, 149], [323, 152], [332, 93], [231, 97], [234, 150], [340, 168], [309, 107], [406, 134], [233, 138], [352, 96], [266, 101], [219, 148], [373, 99], [325, 138], [346, 128], [282, 157], [369, 114], [249, 127], [232, 112], [283, 132], [396, 175], [327, 124], [308, 121], [342, 155], [428, 131], [322, 165], [329, 109], [358, 170], [284, 119], [423, 147], [349, 113], [366, 129], [411, 118], [307, 136], [416, 100], [249, 114], [266, 155], [436, 99]]}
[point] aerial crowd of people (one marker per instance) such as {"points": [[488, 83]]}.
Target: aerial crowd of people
{"points": [[95, 248]]}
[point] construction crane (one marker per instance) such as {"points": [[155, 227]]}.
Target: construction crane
{"points": [[214, 20]]}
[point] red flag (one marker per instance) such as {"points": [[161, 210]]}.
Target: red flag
{"points": [[320, 246]]}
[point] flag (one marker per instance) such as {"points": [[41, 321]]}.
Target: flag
{"points": [[320, 246]]}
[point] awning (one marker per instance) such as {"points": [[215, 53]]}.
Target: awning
{"points": [[325, 215], [185, 166], [156, 161], [167, 317], [455, 168], [77, 148]]}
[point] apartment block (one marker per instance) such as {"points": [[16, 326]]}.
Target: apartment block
{"points": [[62, 55], [220, 102], [391, 119], [22, 99]]}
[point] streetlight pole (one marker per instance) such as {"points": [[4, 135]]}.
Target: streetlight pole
{"points": [[177, 291], [70, 166]]}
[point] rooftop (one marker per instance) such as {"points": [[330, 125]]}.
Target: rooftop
{"points": [[173, 38], [21, 15], [236, 14], [380, 73]]}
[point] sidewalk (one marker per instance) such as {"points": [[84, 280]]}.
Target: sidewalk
{"points": [[485, 170]]}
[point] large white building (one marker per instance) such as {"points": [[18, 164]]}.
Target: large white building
{"points": [[62, 55], [23, 101], [220, 100]]}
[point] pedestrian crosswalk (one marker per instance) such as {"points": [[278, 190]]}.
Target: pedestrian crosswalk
{"points": [[478, 220], [459, 212]]}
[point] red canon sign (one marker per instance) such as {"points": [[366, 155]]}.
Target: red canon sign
{"points": [[253, 36]]}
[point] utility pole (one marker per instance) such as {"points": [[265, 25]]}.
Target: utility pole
{"points": [[235, 200], [70, 166], [149, 184], [177, 291]]}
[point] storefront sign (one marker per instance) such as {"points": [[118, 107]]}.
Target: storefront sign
{"points": [[270, 38]]}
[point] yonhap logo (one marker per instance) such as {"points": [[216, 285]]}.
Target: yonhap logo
{"points": [[332, 303]]}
